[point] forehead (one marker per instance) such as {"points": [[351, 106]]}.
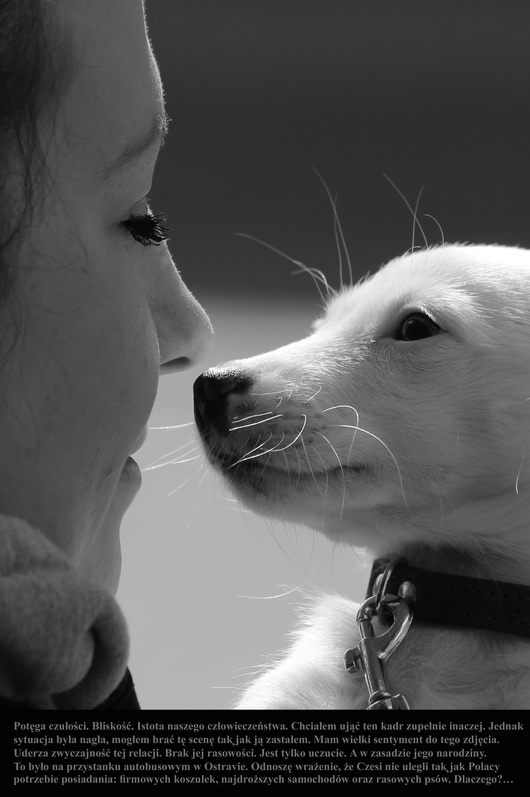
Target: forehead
{"points": [[114, 92], [462, 287]]}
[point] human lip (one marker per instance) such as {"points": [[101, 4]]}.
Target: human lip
{"points": [[131, 471]]}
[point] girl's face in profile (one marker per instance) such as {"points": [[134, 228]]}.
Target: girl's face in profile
{"points": [[98, 307]]}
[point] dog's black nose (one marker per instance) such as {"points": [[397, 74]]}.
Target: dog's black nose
{"points": [[211, 395]]}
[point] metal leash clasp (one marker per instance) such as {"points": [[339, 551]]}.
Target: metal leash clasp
{"points": [[373, 651]]}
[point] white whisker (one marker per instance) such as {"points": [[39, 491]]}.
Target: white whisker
{"points": [[339, 234], [519, 471], [370, 434], [313, 396], [171, 428], [256, 423], [171, 462], [317, 275], [192, 443], [187, 481], [325, 472], [256, 448], [237, 419], [250, 455], [302, 415], [414, 211], [428, 215], [269, 597], [275, 449], [341, 407], [347, 407], [309, 462], [272, 392], [341, 470]]}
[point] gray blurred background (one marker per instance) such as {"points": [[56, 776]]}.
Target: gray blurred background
{"points": [[263, 94], [433, 94]]}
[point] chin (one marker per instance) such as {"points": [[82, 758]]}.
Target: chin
{"points": [[338, 503]]}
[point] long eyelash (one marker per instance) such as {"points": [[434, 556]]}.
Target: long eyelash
{"points": [[148, 229]]}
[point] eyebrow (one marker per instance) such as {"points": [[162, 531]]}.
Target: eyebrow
{"points": [[154, 134]]}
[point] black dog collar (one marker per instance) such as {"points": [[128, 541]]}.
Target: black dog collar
{"points": [[457, 600]]}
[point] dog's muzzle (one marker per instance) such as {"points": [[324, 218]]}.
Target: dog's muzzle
{"points": [[215, 394]]}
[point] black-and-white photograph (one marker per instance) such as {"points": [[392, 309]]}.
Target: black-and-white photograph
{"points": [[264, 382], [353, 412]]}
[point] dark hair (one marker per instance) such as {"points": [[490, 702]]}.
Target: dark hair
{"points": [[30, 73]]}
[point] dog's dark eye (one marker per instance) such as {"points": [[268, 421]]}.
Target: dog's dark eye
{"points": [[416, 327]]}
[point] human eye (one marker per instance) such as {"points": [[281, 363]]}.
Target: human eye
{"points": [[148, 228]]}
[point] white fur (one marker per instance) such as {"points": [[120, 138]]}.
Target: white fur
{"points": [[417, 448]]}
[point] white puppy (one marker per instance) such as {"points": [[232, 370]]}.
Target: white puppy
{"points": [[400, 425]]}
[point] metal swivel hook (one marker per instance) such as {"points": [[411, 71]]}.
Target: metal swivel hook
{"points": [[373, 651]]}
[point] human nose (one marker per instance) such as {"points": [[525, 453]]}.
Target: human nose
{"points": [[185, 334]]}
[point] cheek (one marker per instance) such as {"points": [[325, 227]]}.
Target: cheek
{"points": [[439, 425], [101, 364], [412, 417], [126, 359], [88, 349]]}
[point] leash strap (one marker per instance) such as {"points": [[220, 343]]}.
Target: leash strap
{"points": [[459, 600]]}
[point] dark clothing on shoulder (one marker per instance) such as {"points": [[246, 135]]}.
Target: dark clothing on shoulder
{"points": [[122, 699]]}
